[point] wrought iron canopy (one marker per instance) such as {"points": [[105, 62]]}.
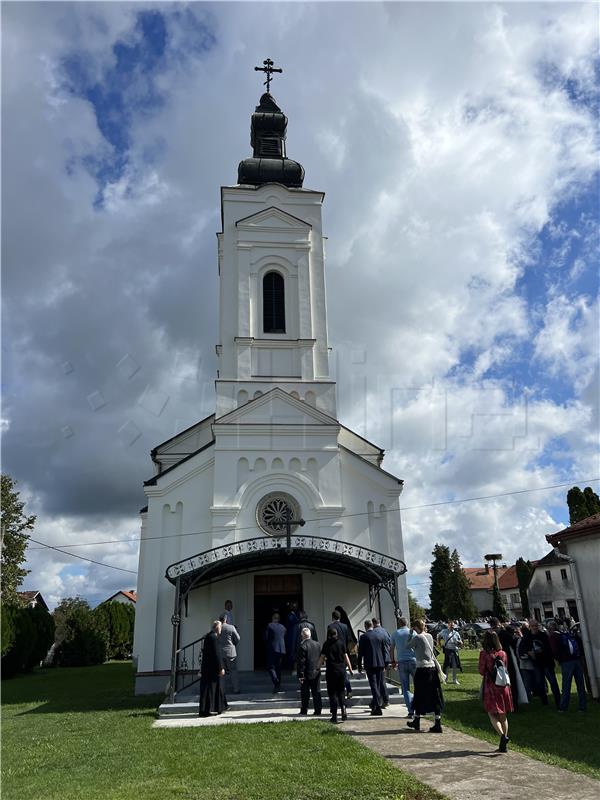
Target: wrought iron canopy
{"points": [[309, 552]]}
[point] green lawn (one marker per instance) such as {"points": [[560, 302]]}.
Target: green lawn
{"points": [[80, 733], [569, 740]]}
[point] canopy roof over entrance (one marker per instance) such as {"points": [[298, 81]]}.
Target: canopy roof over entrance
{"points": [[310, 552]]}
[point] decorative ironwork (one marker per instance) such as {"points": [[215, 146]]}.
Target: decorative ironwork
{"points": [[268, 69], [273, 510], [188, 665], [297, 542]]}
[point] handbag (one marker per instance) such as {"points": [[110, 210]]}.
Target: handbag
{"points": [[441, 674]]}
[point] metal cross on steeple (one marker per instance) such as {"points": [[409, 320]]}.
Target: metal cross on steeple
{"points": [[269, 69]]}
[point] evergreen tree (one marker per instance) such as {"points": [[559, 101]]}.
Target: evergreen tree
{"points": [[15, 524], [117, 621], [439, 575], [80, 639], [415, 611], [524, 573], [459, 601], [582, 504], [498, 606], [592, 501]]}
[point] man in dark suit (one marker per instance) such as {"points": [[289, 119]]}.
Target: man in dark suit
{"points": [[275, 639], [381, 633], [372, 652], [343, 636], [307, 659]]}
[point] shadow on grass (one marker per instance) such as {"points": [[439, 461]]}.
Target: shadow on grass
{"points": [[108, 687]]}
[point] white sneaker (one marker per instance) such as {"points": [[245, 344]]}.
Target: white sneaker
{"points": [[456, 683]]}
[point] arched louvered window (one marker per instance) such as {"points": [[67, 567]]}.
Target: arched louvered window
{"points": [[273, 303]]}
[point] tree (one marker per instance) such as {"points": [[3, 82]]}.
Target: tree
{"points": [[524, 572], [582, 504], [117, 621], [498, 606], [15, 523], [80, 640], [7, 629], [439, 575], [24, 640], [415, 611], [459, 601]]}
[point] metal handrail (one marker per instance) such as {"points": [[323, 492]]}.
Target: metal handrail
{"points": [[188, 665]]}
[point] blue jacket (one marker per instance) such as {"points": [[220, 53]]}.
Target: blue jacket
{"points": [[373, 649], [275, 636]]}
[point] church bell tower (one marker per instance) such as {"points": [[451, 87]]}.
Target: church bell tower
{"points": [[273, 325]]}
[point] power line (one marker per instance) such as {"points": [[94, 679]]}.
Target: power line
{"points": [[340, 516], [82, 558]]}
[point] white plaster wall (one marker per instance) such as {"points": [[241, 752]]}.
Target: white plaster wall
{"points": [[586, 553]]}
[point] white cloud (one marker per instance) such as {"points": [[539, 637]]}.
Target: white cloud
{"points": [[442, 151]]}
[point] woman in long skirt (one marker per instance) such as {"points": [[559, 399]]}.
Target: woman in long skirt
{"points": [[212, 699], [335, 658], [428, 697], [497, 700]]}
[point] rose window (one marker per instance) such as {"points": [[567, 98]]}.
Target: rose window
{"points": [[272, 512]]}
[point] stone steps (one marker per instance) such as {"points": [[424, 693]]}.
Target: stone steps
{"points": [[258, 696]]}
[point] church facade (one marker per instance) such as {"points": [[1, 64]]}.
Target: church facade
{"points": [[270, 500]]}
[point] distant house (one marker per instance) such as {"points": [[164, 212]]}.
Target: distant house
{"points": [[508, 584], [579, 545], [123, 596], [33, 599], [551, 592], [481, 583]]}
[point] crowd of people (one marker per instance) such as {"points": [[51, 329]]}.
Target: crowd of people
{"points": [[516, 664]]}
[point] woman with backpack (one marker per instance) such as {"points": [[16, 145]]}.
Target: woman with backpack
{"points": [[497, 697]]}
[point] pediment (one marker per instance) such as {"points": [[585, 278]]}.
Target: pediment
{"points": [[273, 219], [277, 407]]}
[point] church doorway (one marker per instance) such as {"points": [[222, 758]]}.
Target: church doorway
{"points": [[272, 593]]}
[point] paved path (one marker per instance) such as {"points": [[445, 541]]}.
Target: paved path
{"points": [[465, 768]]}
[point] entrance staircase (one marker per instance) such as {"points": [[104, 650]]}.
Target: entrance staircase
{"points": [[256, 695]]}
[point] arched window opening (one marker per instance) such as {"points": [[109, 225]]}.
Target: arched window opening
{"points": [[273, 303]]}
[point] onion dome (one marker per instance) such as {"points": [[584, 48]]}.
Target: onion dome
{"points": [[269, 163]]}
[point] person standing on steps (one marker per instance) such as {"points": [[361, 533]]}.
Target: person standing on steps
{"points": [[229, 612], [428, 696], [449, 640], [335, 658], [228, 641], [212, 698], [380, 632], [275, 639], [372, 655], [308, 657], [344, 636], [497, 699]]}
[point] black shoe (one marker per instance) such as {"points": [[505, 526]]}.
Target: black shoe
{"points": [[384, 705], [377, 712], [344, 716], [303, 713], [437, 728], [334, 720], [415, 724], [503, 746], [316, 713], [348, 695]]}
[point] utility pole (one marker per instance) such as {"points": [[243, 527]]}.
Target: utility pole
{"points": [[493, 557]]}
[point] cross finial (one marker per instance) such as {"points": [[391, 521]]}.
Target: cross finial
{"points": [[269, 69]]}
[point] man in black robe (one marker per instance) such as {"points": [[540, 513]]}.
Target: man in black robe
{"points": [[212, 698]]}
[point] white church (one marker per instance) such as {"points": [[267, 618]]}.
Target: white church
{"points": [[270, 500]]}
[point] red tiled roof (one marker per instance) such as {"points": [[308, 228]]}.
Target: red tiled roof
{"points": [[585, 527], [480, 579], [28, 595], [129, 595], [509, 579]]}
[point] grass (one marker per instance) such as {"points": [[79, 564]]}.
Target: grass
{"points": [[80, 733], [569, 740]]}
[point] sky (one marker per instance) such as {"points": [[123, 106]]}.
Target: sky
{"points": [[457, 146]]}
